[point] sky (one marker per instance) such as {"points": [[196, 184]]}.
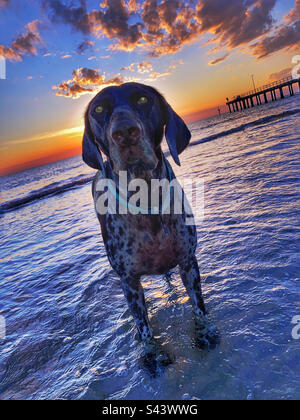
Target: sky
{"points": [[60, 53]]}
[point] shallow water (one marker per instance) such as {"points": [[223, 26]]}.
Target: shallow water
{"points": [[69, 332]]}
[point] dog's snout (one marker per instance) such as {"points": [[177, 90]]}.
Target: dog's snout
{"points": [[125, 132]]}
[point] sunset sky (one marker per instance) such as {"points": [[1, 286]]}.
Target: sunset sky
{"points": [[59, 53]]}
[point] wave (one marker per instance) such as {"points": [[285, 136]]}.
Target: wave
{"points": [[51, 189], [261, 121]]}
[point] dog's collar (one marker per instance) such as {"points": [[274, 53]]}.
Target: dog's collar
{"points": [[129, 206]]}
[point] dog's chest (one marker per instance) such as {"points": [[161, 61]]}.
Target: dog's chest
{"points": [[146, 244]]}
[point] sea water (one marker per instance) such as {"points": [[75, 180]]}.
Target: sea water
{"points": [[69, 333]]}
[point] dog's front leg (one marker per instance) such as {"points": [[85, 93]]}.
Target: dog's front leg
{"points": [[155, 359], [134, 294], [206, 334]]}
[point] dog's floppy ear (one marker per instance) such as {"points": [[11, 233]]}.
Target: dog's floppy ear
{"points": [[177, 134], [91, 154]]}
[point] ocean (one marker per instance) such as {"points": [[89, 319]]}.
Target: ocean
{"points": [[69, 333]]}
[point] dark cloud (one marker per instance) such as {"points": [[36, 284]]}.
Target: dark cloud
{"points": [[161, 27], [76, 17], [285, 37], [24, 43], [171, 23], [235, 22], [258, 21], [84, 46], [111, 20], [85, 81], [150, 17], [168, 11], [218, 60], [165, 26]]}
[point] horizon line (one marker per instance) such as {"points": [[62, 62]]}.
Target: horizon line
{"points": [[36, 163]]}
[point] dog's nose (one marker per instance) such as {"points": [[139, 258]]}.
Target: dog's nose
{"points": [[126, 133]]}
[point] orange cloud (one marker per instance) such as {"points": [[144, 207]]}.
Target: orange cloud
{"points": [[10, 53], [156, 75], [143, 67], [85, 81], [24, 43], [294, 14]]}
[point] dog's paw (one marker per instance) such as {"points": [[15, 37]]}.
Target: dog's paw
{"points": [[207, 335], [155, 359]]}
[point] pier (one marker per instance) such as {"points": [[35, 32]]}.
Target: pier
{"points": [[262, 95]]}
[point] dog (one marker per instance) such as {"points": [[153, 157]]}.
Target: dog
{"points": [[127, 124]]}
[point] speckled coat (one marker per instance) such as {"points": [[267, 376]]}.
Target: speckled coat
{"points": [[127, 123], [151, 244]]}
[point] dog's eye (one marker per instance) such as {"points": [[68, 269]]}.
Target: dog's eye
{"points": [[142, 100], [99, 109]]}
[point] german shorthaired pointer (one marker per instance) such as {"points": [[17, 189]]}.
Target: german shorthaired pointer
{"points": [[127, 124]]}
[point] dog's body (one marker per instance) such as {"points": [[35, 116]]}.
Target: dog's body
{"points": [[129, 131]]}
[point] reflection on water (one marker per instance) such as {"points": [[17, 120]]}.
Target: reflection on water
{"points": [[69, 332]]}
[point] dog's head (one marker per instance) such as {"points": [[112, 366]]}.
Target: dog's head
{"points": [[127, 124]]}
